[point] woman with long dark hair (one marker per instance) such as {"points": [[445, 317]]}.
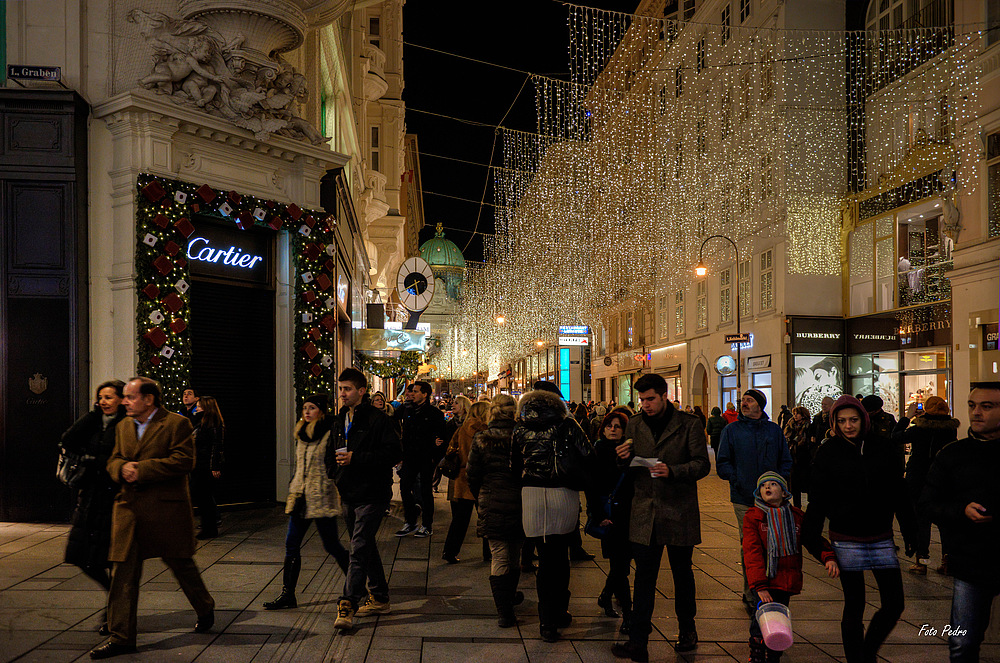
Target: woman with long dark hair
{"points": [[615, 546], [209, 436], [801, 447], [312, 497], [857, 484], [93, 434]]}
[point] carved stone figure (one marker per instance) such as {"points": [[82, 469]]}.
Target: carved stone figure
{"points": [[196, 66]]}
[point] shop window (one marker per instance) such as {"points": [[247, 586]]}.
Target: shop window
{"points": [[815, 377], [876, 374], [725, 296], [664, 319], [725, 25], [766, 281], [860, 252], [762, 383], [679, 313], [746, 294], [924, 258], [993, 156], [925, 374], [702, 305]]}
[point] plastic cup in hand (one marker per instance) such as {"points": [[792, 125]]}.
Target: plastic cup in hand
{"points": [[342, 450], [775, 625]]}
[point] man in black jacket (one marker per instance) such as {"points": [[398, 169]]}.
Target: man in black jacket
{"points": [[422, 427], [962, 495], [361, 461]]}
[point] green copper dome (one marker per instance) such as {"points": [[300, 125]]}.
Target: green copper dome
{"points": [[441, 252]]}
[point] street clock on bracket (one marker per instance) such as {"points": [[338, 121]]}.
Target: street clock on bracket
{"points": [[415, 284]]}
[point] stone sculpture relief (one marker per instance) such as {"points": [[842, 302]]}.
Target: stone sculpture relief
{"points": [[197, 67]]}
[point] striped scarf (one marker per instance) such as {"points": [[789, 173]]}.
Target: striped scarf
{"points": [[781, 539]]}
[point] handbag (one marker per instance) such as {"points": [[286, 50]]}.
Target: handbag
{"points": [[594, 527], [451, 464], [72, 467]]}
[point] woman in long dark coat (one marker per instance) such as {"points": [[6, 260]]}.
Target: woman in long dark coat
{"points": [[209, 439], [93, 434], [494, 475]]}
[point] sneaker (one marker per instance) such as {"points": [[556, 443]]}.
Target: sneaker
{"points": [[373, 607], [628, 650], [406, 530], [918, 569], [421, 532], [345, 615]]}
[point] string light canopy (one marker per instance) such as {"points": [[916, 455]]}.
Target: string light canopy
{"points": [[668, 132]]}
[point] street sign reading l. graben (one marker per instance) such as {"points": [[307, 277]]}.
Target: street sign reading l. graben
{"points": [[738, 338], [34, 73]]}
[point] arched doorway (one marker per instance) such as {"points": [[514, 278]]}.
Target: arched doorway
{"points": [[699, 387]]}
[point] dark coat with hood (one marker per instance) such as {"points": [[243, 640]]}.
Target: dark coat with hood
{"points": [[857, 486], [964, 472], [420, 426], [556, 452], [374, 443], [714, 427], [927, 436], [494, 474], [748, 448], [667, 507], [90, 530]]}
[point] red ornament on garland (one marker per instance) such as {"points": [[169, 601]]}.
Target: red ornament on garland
{"points": [[294, 211], [178, 325], [309, 296], [163, 265], [153, 191], [244, 220], [155, 361], [206, 193], [315, 333], [171, 248], [316, 370], [328, 322], [328, 266], [323, 282], [310, 350], [173, 302], [161, 221], [312, 251], [184, 227], [309, 221], [155, 337], [181, 262], [234, 198], [152, 291], [276, 222]]}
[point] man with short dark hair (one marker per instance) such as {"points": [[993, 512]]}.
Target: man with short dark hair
{"points": [[361, 464], [962, 495], [422, 427], [190, 408], [748, 447], [152, 517], [666, 453]]}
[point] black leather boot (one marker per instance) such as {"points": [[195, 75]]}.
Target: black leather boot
{"points": [[289, 578], [502, 598]]}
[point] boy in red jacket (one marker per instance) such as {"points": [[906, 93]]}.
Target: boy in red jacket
{"points": [[772, 553]]}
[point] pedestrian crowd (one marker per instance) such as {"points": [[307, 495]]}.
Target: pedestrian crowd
{"points": [[523, 464]]}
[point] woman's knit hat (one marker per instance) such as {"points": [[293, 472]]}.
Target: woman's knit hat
{"points": [[937, 405], [775, 477], [322, 401], [847, 401]]}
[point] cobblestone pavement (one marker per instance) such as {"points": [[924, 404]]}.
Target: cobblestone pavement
{"points": [[49, 611]]}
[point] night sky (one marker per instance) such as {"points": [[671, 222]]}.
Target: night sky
{"points": [[529, 35]]}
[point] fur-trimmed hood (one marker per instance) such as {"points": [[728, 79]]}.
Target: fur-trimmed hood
{"points": [[540, 409], [936, 421]]}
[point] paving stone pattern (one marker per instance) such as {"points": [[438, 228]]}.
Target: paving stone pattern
{"points": [[441, 613]]}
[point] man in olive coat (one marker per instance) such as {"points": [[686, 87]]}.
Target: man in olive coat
{"points": [[152, 517], [670, 451]]}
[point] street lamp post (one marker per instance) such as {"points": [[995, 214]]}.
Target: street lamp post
{"points": [[701, 270]]}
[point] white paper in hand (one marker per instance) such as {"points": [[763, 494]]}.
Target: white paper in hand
{"points": [[639, 461]]}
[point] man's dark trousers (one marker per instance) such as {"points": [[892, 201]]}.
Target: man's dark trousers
{"points": [[647, 568], [417, 499], [365, 564]]}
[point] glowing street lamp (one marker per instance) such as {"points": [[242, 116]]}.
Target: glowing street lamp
{"points": [[701, 270]]}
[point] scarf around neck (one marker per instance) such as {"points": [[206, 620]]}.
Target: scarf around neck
{"points": [[781, 539]]}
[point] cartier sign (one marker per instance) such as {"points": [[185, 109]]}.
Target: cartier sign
{"points": [[232, 254]]}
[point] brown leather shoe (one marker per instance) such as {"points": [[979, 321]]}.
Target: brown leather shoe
{"points": [[109, 649]]}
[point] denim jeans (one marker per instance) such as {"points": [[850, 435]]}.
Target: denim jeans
{"points": [[327, 528], [647, 568], [970, 615], [363, 521]]}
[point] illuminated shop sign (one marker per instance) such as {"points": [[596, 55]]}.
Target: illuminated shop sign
{"points": [[240, 255], [573, 340], [574, 329]]}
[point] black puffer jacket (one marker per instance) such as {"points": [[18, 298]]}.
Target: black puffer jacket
{"points": [[926, 437], [494, 474], [90, 533], [208, 446], [544, 431]]}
